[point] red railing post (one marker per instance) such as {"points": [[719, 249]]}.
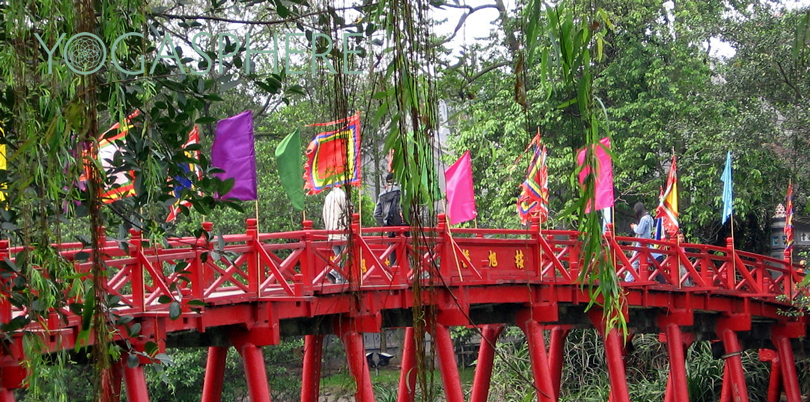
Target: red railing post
{"points": [[5, 303], [202, 276], [307, 258], [355, 254], [534, 233], [788, 282], [136, 272], [447, 259], [573, 259], [254, 264]]}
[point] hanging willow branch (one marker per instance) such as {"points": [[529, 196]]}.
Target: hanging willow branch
{"points": [[569, 44]]}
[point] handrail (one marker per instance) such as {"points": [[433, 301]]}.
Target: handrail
{"points": [[297, 263]]}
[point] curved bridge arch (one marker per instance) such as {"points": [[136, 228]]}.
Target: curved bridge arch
{"points": [[248, 290]]}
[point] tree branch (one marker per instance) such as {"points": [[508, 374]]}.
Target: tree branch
{"points": [[787, 81], [463, 18]]}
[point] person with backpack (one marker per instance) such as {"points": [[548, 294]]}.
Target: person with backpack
{"points": [[388, 211], [643, 230]]}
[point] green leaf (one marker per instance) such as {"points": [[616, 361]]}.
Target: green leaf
{"points": [[151, 348], [174, 310], [135, 329], [133, 361]]}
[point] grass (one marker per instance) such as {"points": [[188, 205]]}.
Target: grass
{"points": [[385, 382]]}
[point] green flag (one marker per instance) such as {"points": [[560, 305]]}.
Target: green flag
{"points": [[291, 168]]}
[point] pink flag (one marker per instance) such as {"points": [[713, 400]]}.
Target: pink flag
{"points": [[460, 196], [604, 175]]}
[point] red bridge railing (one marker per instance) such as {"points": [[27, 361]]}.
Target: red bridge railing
{"points": [[238, 268]]}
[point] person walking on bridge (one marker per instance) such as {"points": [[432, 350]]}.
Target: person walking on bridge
{"points": [[335, 220], [642, 230], [388, 211]]}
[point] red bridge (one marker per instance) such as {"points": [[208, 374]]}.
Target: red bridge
{"points": [[258, 287]]}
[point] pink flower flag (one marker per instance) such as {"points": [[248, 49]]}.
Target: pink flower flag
{"points": [[604, 174], [460, 196]]}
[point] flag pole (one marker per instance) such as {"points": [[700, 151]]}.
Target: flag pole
{"points": [[256, 208], [733, 247], [450, 235]]}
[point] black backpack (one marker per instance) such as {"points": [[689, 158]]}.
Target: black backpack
{"points": [[390, 209]]}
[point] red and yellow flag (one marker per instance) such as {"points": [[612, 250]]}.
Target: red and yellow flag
{"points": [[789, 218], [333, 157], [667, 209], [533, 199]]}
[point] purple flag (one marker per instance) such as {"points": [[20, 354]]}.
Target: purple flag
{"points": [[233, 152]]}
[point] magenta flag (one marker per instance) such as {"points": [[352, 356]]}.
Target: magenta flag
{"points": [[604, 175], [460, 196], [233, 152]]}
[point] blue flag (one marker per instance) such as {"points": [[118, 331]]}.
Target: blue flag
{"points": [[727, 189]]}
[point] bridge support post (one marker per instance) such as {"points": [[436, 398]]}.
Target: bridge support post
{"points": [[537, 350], [734, 367], [790, 379], [356, 356], [483, 369], [447, 364], [618, 378], [135, 379], [111, 390], [255, 371], [6, 395], [311, 381], [677, 366], [725, 391], [214, 374], [407, 375], [775, 380], [555, 355]]}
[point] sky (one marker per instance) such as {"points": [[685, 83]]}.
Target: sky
{"points": [[479, 24]]}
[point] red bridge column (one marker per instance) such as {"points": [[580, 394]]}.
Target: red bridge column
{"points": [[111, 389], [734, 368], [407, 375], [6, 395], [447, 364], [214, 374], [356, 355], [676, 384], [543, 383], [790, 379], [775, 381], [483, 369], [255, 371], [135, 379], [614, 354], [311, 381], [555, 355]]}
